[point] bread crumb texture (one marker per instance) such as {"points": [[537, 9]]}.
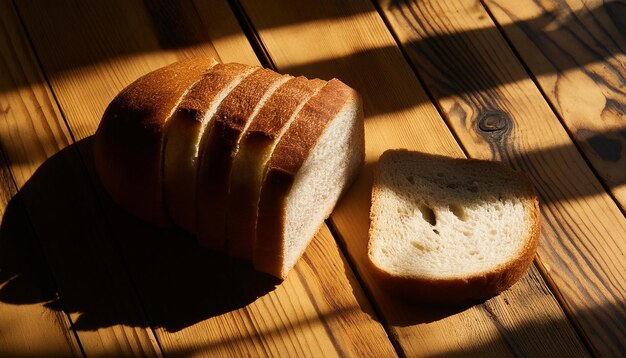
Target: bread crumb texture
{"points": [[443, 218]]}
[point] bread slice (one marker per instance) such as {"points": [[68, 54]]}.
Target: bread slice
{"points": [[249, 166], [219, 147], [450, 230], [128, 145], [195, 113], [314, 162]]}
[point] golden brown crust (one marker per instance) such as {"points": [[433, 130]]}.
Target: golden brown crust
{"points": [[129, 141], [279, 108], [218, 151], [304, 132], [469, 288], [203, 93], [286, 160], [263, 131]]}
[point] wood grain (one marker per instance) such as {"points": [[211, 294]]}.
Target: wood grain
{"points": [[576, 52], [32, 131], [28, 327], [457, 50], [198, 302], [350, 41]]}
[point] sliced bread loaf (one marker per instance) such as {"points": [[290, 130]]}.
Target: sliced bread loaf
{"points": [[249, 166], [195, 113], [219, 147], [450, 230], [169, 145], [129, 143], [314, 162]]}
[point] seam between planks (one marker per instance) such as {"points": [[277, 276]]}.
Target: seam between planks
{"points": [[552, 108], [252, 35], [544, 273], [261, 53], [256, 39], [42, 70], [370, 297], [46, 262], [499, 328], [537, 262], [554, 289], [91, 184], [420, 79], [264, 57]]}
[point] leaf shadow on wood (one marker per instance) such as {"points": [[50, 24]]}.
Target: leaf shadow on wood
{"points": [[177, 283], [567, 39], [177, 25], [569, 176], [454, 53]]}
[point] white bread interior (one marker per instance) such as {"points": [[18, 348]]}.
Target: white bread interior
{"points": [[437, 219], [284, 231], [330, 168]]}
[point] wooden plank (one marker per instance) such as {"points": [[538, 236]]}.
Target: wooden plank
{"points": [[471, 71], [198, 303], [350, 41], [32, 321], [31, 131], [576, 50]]}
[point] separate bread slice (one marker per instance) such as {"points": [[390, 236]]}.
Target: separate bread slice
{"points": [[450, 230], [219, 148], [129, 142], [314, 162], [194, 115], [250, 164]]}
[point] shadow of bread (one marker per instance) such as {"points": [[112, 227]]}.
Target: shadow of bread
{"points": [[177, 283]]}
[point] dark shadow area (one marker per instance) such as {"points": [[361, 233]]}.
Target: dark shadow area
{"points": [[569, 175], [456, 61], [178, 283], [23, 268], [408, 313], [154, 26]]}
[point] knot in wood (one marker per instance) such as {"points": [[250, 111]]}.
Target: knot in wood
{"points": [[493, 121]]}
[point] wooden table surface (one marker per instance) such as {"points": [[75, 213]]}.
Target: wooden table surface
{"points": [[537, 84]]}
